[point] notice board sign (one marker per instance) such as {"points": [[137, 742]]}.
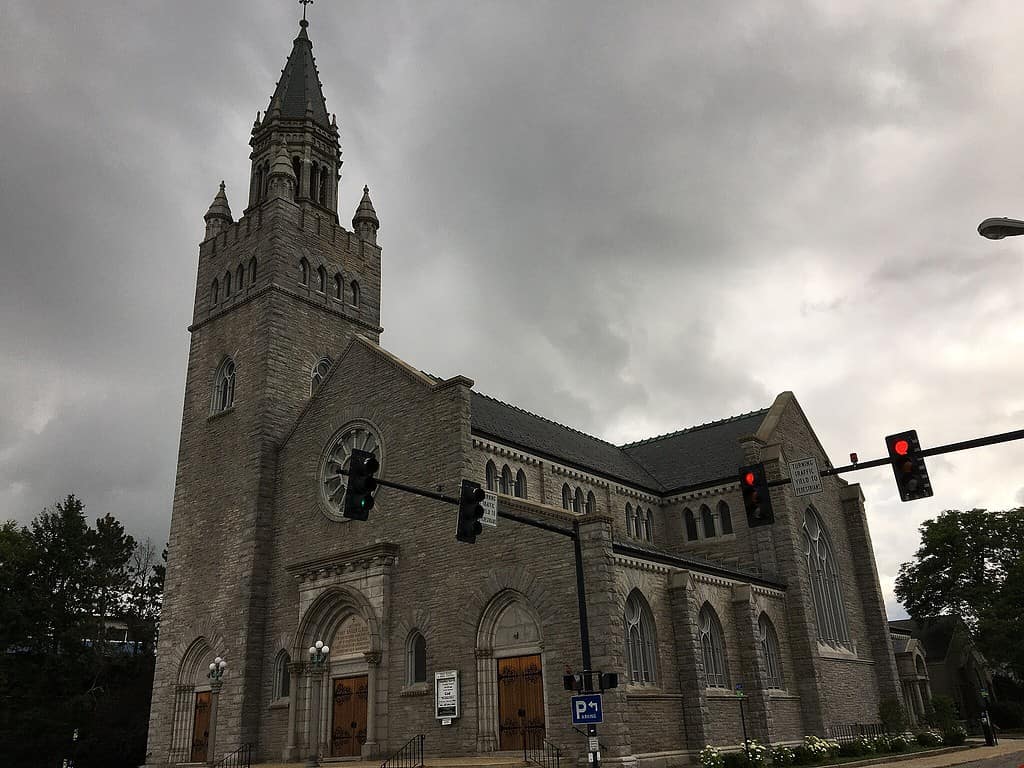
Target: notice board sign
{"points": [[805, 477], [446, 694]]}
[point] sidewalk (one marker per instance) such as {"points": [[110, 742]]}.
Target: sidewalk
{"points": [[959, 757]]}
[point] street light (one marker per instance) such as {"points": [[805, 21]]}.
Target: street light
{"points": [[217, 669], [1000, 227], [318, 653]]}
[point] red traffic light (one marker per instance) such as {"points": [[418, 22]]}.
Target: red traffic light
{"points": [[749, 479], [902, 447]]}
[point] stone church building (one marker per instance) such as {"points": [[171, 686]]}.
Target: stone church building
{"points": [[287, 375]]}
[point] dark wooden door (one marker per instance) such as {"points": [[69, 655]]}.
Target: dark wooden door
{"points": [[520, 702], [348, 726], [201, 727]]}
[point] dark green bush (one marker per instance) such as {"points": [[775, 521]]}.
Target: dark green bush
{"points": [[803, 756], [735, 760], [851, 749], [944, 715], [954, 737], [897, 744], [1006, 714], [892, 715]]}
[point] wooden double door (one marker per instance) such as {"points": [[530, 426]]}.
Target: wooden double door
{"points": [[201, 727], [520, 702], [348, 720]]}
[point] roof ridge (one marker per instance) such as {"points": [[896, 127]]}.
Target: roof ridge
{"points": [[544, 418], [694, 428]]}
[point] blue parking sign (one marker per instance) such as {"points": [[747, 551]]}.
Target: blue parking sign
{"points": [[586, 709]]}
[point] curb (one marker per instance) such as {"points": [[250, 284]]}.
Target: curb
{"points": [[899, 757]]}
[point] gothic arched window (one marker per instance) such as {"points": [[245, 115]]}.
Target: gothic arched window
{"points": [[240, 277], [491, 475], [640, 638], [690, 523], [638, 522], [297, 167], [321, 274], [227, 284], [282, 676], [320, 370], [629, 520], [724, 517], [507, 482], [314, 173], [591, 503], [707, 522], [252, 270], [224, 386], [355, 294], [578, 501], [770, 652], [337, 286], [323, 185], [712, 648], [649, 526], [416, 659], [303, 271], [825, 585], [215, 291], [521, 484], [566, 496]]}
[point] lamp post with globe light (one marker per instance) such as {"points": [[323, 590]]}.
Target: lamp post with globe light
{"points": [[318, 654], [217, 668]]}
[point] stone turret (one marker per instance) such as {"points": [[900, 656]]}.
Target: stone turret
{"points": [[282, 176], [218, 217], [365, 222]]}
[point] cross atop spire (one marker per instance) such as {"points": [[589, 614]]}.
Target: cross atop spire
{"points": [[304, 4]]}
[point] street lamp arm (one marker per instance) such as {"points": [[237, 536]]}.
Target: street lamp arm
{"points": [[999, 227]]}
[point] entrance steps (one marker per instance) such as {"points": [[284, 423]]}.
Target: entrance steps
{"points": [[490, 760]]}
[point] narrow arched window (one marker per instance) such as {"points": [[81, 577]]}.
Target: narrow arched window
{"points": [[240, 277], [252, 270], [337, 286], [282, 676], [416, 659], [724, 517], [297, 167], [712, 648], [649, 526], [224, 386], [322, 277], [215, 291], [826, 590], [303, 271], [638, 522], [323, 185], [266, 179], [707, 522], [227, 284], [313, 181], [629, 520], [355, 294], [578, 502], [690, 523], [520, 484], [640, 640], [506, 480], [770, 652], [566, 496], [591, 503], [257, 183], [492, 476], [320, 370]]}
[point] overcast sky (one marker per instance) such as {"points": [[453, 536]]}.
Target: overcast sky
{"points": [[669, 212]]}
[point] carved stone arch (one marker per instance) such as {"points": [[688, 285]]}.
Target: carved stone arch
{"points": [[516, 579], [191, 662], [496, 610], [327, 612], [418, 619]]}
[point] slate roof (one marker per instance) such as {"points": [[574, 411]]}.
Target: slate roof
{"points": [[300, 83], [688, 457], [935, 634]]}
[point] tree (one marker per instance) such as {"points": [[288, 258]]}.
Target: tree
{"points": [[16, 589], [971, 564]]}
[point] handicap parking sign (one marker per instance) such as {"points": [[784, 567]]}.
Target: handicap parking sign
{"points": [[586, 709]]}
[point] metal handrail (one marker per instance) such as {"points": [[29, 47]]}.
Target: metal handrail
{"points": [[410, 755], [540, 752], [240, 758]]}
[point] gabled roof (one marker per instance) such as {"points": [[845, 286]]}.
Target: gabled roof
{"points": [[935, 633], [688, 457], [300, 84]]}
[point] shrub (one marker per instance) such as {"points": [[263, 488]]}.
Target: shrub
{"points": [[735, 760], [803, 756], [782, 756], [954, 736], [711, 758], [759, 753], [929, 738], [1006, 714], [944, 713], [892, 715], [897, 743]]}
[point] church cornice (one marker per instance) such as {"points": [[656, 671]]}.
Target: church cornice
{"points": [[381, 555]]}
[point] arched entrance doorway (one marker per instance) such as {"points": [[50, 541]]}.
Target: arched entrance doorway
{"points": [[510, 675]]}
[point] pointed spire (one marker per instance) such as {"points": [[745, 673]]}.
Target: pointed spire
{"points": [[282, 181], [218, 217], [365, 222], [299, 85]]}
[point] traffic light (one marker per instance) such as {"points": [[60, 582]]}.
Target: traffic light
{"points": [[361, 484], [470, 512], [756, 499], [908, 465]]}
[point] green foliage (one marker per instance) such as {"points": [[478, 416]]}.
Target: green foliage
{"points": [[898, 743], [782, 756], [954, 737], [892, 715], [971, 564], [1006, 714], [944, 714], [929, 738], [61, 581], [735, 760]]}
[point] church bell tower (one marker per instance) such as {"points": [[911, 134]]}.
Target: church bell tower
{"points": [[279, 294]]}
